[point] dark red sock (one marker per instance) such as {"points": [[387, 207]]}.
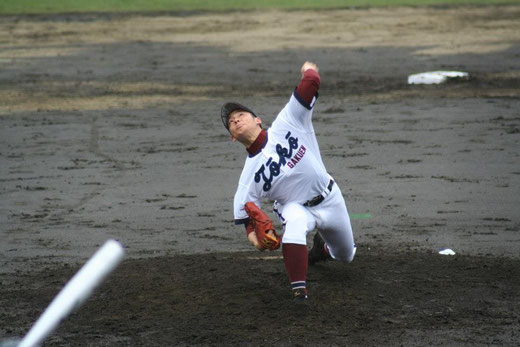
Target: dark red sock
{"points": [[295, 260]]}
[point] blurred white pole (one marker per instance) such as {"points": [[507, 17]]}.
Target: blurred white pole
{"points": [[75, 292]]}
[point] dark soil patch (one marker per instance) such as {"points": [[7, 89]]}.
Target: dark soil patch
{"points": [[243, 299]]}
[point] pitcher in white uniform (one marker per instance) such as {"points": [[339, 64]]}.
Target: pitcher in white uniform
{"points": [[284, 164]]}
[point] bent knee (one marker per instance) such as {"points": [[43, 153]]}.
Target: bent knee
{"points": [[346, 256]]}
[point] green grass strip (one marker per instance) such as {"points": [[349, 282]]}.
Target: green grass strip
{"points": [[74, 6]]}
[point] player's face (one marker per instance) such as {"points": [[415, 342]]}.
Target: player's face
{"points": [[242, 123]]}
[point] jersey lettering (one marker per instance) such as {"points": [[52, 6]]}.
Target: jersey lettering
{"points": [[297, 157], [274, 166]]}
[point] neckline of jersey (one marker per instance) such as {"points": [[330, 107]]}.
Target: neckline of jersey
{"points": [[259, 143]]}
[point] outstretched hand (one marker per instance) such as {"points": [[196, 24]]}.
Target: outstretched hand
{"points": [[309, 65]]}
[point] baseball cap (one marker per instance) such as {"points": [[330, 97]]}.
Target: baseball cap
{"points": [[229, 107]]}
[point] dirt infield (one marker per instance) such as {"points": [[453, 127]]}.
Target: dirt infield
{"points": [[408, 299], [110, 128]]}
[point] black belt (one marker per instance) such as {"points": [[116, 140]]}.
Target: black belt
{"points": [[319, 198]]}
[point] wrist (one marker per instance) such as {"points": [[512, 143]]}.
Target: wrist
{"points": [[249, 228]]}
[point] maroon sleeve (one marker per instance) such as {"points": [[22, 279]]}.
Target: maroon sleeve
{"points": [[309, 85], [249, 228]]}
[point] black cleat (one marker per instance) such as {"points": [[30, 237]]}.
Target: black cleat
{"points": [[317, 252], [300, 295]]}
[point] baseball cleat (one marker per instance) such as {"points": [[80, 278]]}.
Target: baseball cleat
{"points": [[300, 295], [318, 252]]}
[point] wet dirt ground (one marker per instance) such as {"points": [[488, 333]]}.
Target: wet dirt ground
{"points": [[110, 128]]}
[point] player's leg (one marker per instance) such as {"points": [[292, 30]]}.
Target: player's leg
{"points": [[297, 221], [334, 226]]}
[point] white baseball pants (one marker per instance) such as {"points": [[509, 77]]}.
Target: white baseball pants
{"points": [[331, 219]]}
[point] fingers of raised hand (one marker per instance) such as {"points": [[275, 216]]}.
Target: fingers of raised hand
{"points": [[309, 65]]}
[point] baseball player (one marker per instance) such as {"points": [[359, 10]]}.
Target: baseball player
{"points": [[284, 164]]}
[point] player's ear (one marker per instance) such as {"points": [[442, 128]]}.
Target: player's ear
{"points": [[233, 139], [258, 121]]}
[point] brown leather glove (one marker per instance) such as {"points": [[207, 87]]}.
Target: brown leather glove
{"points": [[262, 226]]}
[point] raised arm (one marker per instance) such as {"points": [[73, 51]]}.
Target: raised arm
{"points": [[310, 83]]}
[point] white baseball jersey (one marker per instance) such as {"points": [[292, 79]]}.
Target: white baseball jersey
{"points": [[289, 167]]}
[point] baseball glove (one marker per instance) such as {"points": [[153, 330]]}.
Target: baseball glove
{"points": [[262, 225]]}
